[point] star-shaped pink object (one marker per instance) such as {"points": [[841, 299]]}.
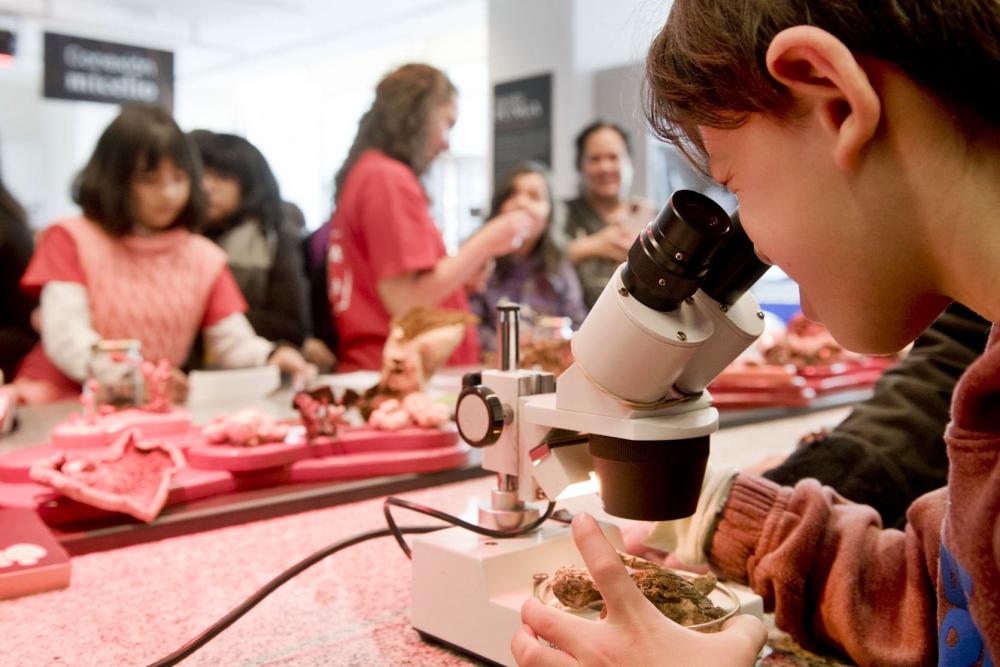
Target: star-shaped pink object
{"points": [[132, 477]]}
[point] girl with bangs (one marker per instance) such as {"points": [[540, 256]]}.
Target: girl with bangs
{"points": [[537, 275], [131, 267]]}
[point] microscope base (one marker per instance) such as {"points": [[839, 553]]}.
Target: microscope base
{"points": [[468, 589]]}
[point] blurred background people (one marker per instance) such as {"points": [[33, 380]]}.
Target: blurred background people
{"points": [[247, 219], [602, 222], [17, 336], [386, 254], [131, 268], [537, 275], [323, 339]]}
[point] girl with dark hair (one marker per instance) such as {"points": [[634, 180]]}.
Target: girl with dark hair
{"points": [[603, 220], [16, 333], [386, 255], [131, 267], [862, 139], [246, 218], [537, 275]]}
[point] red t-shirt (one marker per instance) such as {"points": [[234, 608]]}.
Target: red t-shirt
{"points": [[382, 228]]}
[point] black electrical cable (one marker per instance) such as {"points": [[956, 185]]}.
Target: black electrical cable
{"points": [[429, 511], [239, 610], [268, 588]]}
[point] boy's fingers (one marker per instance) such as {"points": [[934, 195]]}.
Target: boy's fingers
{"points": [[528, 651], [555, 625], [606, 568], [748, 629]]}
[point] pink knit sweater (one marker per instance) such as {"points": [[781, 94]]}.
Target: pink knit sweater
{"points": [[884, 597], [153, 288]]}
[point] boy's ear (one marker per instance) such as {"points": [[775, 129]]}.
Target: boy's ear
{"points": [[819, 69]]}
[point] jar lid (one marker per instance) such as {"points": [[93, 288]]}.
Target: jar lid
{"points": [[117, 345]]}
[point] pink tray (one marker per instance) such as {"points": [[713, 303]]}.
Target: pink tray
{"points": [[354, 440], [75, 432], [14, 465], [54, 508], [372, 464], [242, 459], [219, 469]]}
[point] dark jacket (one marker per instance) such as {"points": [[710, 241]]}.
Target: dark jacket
{"points": [[267, 266], [890, 450], [314, 253], [16, 333]]}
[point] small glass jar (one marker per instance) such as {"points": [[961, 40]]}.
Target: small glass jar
{"points": [[116, 367]]}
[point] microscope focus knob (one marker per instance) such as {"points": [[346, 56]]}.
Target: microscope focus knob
{"points": [[479, 415]]}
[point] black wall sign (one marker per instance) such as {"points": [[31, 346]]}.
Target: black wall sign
{"points": [[88, 69], [522, 123]]}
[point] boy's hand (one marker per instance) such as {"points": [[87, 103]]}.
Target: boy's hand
{"points": [[634, 632]]}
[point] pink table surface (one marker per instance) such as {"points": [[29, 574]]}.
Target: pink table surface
{"points": [[134, 605]]}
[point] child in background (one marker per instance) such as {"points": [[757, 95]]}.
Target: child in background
{"points": [[247, 218], [537, 275], [17, 336], [862, 139], [132, 269]]}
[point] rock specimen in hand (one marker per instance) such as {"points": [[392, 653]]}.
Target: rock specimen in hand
{"points": [[682, 600], [677, 598], [574, 588]]}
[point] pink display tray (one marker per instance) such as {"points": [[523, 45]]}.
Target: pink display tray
{"points": [[14, 465], [242, 459], [371, 464], [75, 432], [350, 440], [781, 387], [189, 485], [220, 469]]}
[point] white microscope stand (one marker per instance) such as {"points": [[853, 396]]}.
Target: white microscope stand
{"points": [[468, 589]]}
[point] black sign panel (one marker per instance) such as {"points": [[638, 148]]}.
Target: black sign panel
{"points": [[95, 71], [522, 123]]}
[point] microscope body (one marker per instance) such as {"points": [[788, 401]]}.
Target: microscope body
{"points": [[629, 421]]}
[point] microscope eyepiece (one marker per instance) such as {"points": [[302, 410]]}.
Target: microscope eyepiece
{"points": [[735, 267], [670, 258]]}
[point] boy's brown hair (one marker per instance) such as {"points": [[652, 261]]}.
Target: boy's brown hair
{"points": [[707, 65]]}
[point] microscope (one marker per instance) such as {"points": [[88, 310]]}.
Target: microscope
{"points": [[630, 420]]}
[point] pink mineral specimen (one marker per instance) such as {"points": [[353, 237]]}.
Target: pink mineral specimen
{"points": [[425, 411], [247, 427], [131, 477], [390, 416]]}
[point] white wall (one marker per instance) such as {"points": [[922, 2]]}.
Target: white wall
{"points": [[572, 39], [299, 103], [301, 109], [43, 143]]}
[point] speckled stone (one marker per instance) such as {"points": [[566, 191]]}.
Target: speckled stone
{"points": [[134, 605]]}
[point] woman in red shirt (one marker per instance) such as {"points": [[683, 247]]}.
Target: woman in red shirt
{"points": [[386, 255]]}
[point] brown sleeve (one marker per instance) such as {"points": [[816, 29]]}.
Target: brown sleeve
{"points": [[830, 572]]}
